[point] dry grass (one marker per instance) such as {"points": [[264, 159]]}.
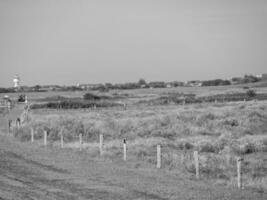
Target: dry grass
{"points": [[220, 132]]}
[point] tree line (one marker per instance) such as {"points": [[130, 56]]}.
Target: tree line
{"points": [[141, 83]]}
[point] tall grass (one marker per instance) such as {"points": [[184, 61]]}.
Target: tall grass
{"points": [[218, 133]]}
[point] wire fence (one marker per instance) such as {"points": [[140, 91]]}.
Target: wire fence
{"points": [[200, 164]]}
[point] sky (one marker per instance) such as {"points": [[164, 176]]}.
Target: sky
{"points": [[67, 42]]}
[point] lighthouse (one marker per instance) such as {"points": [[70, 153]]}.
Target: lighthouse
{"points": [[16, 81]]}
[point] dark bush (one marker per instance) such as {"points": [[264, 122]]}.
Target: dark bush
{"points": [[22, 98], [232, 122], [74, 104], [251, 93], [90, 96]]}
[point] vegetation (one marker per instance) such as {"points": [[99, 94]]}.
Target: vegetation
{"points": [[7, 90], [219, 133], [74, 104], [141, 83], [216, 82], [22, 98]]}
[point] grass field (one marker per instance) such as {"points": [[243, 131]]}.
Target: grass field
{"points": [[218, 131]]}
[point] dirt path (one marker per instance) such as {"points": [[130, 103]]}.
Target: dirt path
{"points": [[31, 172]]}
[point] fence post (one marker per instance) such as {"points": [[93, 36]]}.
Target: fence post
{"points": [[61, 140], [196, 163], [101, 144], [81, 141], [183, 157], [124, 149], [9, 125], [158, 157], [32, 135], [239, 177], [45, 138]]}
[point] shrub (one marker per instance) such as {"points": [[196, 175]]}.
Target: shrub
{"points": [[23, 133], [21, 98], [90, 96], [251, 93], [231, 122], [206, 146], [185, 145], [74, 104]]}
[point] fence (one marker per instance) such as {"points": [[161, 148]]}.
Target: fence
{"points": [[191, 161]]}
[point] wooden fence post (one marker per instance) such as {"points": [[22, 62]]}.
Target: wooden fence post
{"points": [[124, 149], [101, 144], [9, 126], [61, 140], [239, 173], [45, 138], [81, 141], [32, 135], [158, 157], [196, 163], [183, 157]]}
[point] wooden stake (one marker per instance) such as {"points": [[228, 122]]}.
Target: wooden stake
{"points": [[196, 163], [32, 135], [45, 138], [81, 141], [183, 157], [9, 126], [239, 177], [124, 149], [101, 144], [158, 157], [61, 140]]}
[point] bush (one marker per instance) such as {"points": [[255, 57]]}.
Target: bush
{"points": [[90, 96], [205, 146], [231, 122], [23, 133], [22, 98], [74, 104], [251, 93], [185, 145]]}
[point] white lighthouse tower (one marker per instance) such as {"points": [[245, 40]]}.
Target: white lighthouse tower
{"points": [[16, 81]]}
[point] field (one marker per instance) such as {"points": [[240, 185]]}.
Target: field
{"points": [[219, 131]]}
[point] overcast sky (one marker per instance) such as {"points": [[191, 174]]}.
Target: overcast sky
{"points": [[86, 41]]}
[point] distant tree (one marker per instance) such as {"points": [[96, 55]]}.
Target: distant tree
{"points": [[141, 82], [176, 83], [37, 87], [216, 82], [6, 90], [109, 85], [157, 84], [250, 79]]}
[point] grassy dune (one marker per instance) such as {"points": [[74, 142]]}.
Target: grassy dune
{"points": [[220, 132]]}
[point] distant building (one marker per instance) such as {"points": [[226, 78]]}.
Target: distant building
{"points": [[196, 83], [90, 86], [168, 85]]}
